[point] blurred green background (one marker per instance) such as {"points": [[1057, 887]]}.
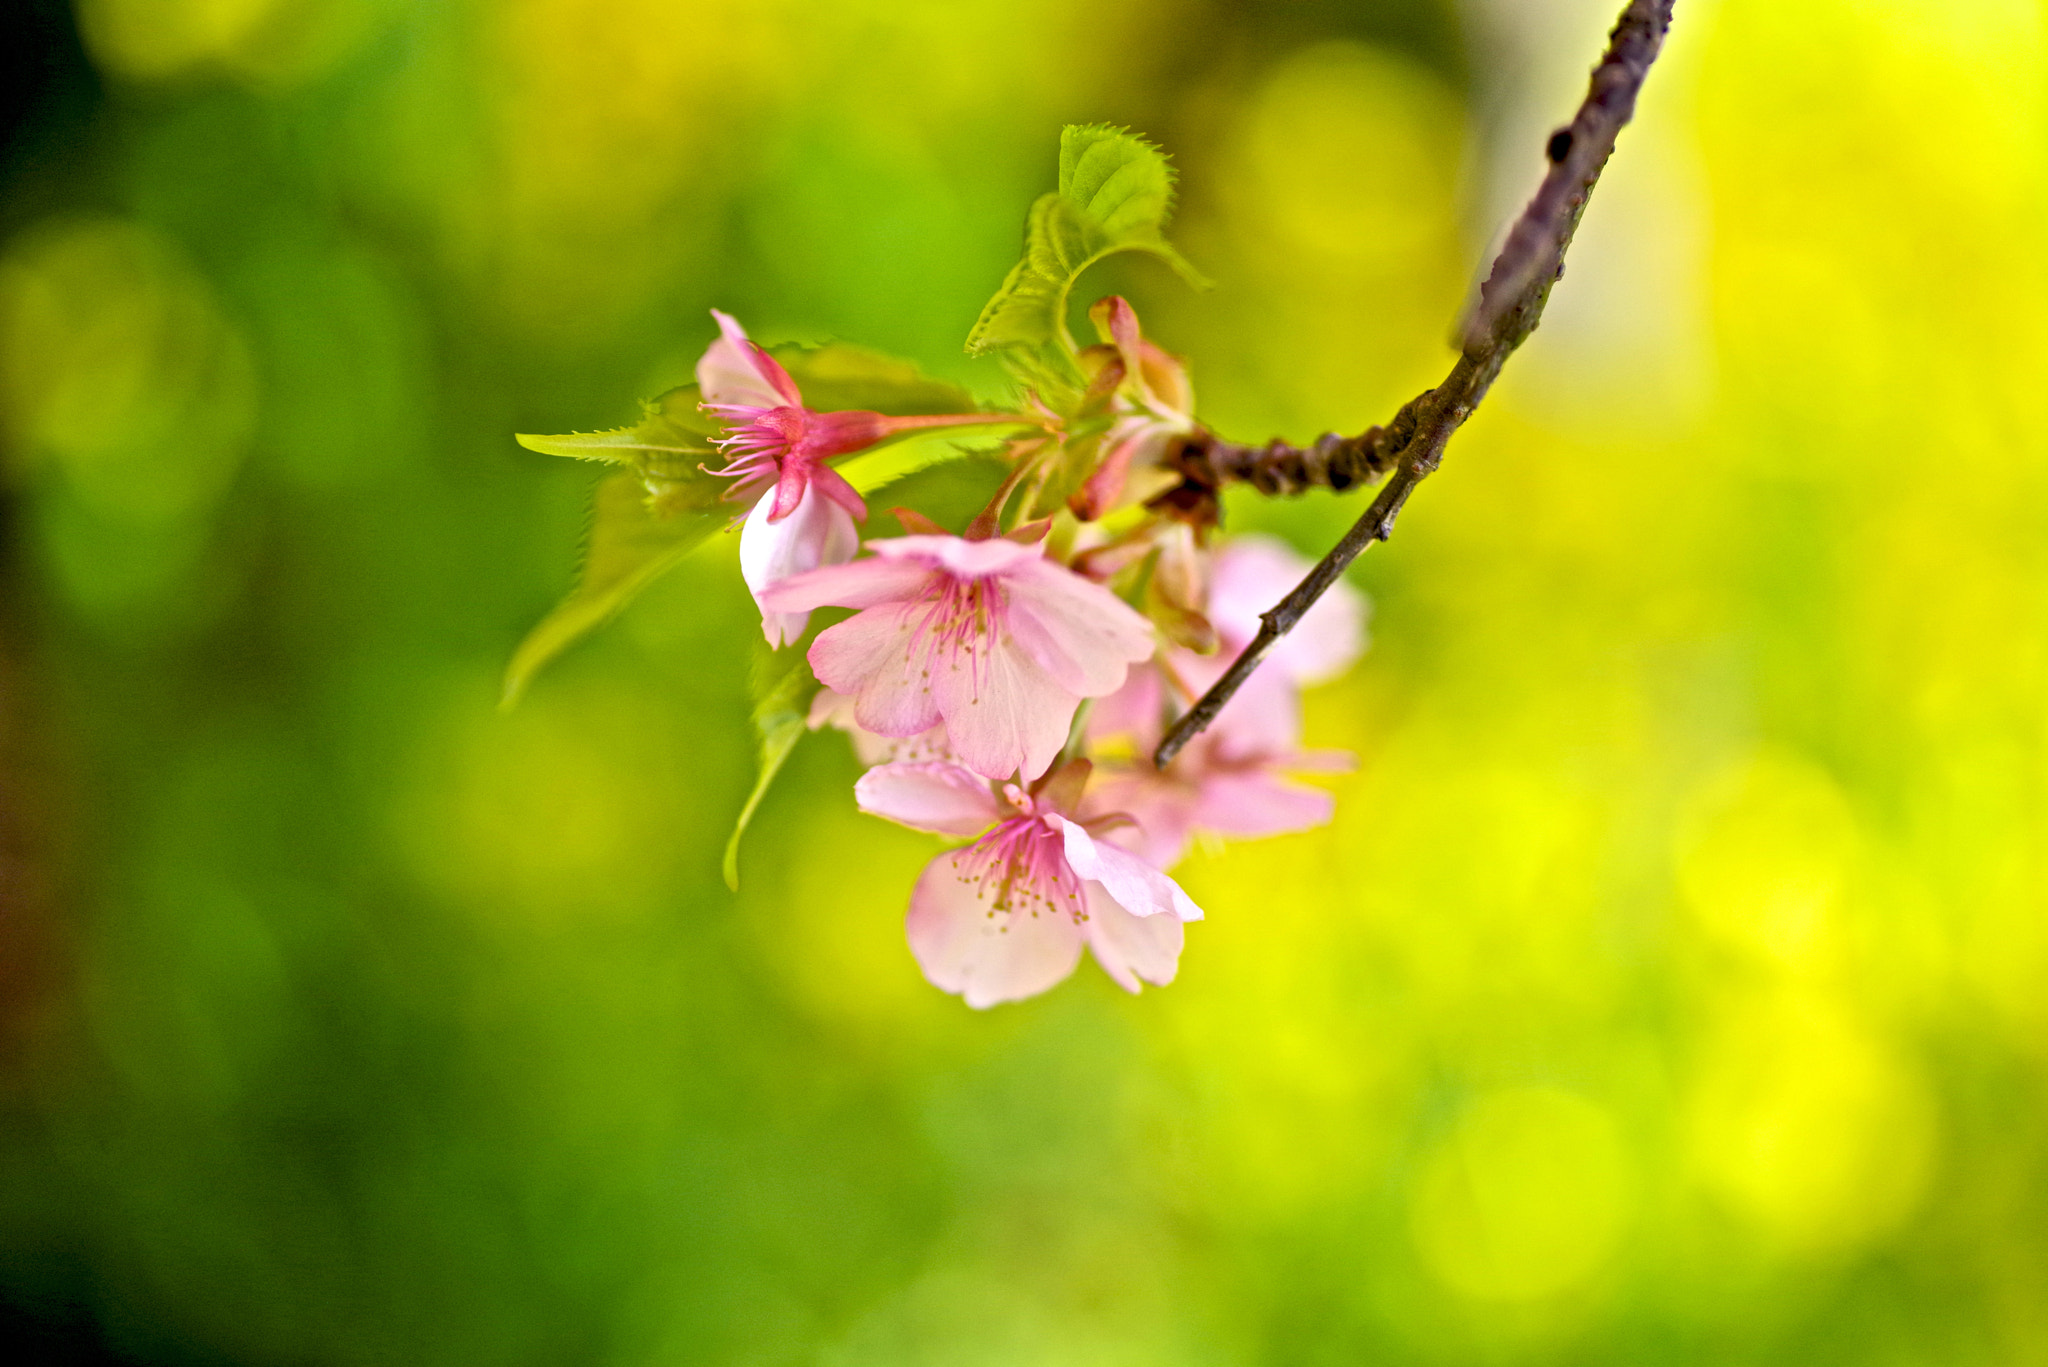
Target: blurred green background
{"points": [[1672, 987]]}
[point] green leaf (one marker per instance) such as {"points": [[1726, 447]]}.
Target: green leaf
{"points": [[631, 545], [1116, 191], [781, 686], [839, 376], [884, 465], [670, 447]]}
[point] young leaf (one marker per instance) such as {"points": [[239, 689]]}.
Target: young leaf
{"points": [[631, 545], [670, 446], [781, 685], [1116, 191]]}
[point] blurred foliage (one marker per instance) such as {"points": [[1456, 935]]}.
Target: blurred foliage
{"points": [[1673, 986]]}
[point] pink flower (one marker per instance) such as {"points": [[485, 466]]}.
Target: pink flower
{"points": [[1215, 787], [1231, 779], [1249, 575], [988, 638], [1006, 917], [773, 442]]}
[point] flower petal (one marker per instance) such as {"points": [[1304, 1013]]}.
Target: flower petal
{"points": [[1254, 803], [1262, 718], [1078, 632], [1134, 710], [1003, 713], [1162, 808], [1137, 887], [1132, 947], [790, 488], [727, 373], [965, 945], [818, 533], [862, 584], [944, 799], [1253, 573], [838, 490], [965, 559], [876, 657]]}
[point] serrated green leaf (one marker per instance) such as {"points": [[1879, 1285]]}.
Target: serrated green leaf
{"points": [[1116, 192], [670, 447], [672, 425], [781, 686], [840, 376], [884, 465], [631, 545]]}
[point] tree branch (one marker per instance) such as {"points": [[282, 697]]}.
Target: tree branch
{"points": [[1509, 307]]}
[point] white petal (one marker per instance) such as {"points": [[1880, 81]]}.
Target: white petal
{"points": [[1132, 947], [727, 372], [1137, 887], [818, 533]]}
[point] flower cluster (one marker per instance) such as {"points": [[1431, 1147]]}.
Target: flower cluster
{"points": [[1008, 682]]}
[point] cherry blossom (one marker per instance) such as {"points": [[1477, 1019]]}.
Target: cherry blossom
{"points": [[988, 638], [1252, 573], [1216, 788], [1231, 780], [1246, 577], [1006, 917], [773, 442]]}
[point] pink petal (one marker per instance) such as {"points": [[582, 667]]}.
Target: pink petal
{"points": [[862, 584], [728, 374], [965, 559], [1003, 713], [1136, 886], [1079, 632], [790, 489], [870, 656], [1252, 574], [1263, 718], [944, 799], [1162, 808], [965, 945], [778, 379], [1132, 947], [817, 532], [1133, 710], [1255, 803], [838, 490]]}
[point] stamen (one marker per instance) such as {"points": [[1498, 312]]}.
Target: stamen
{"points": [[1021, 866]]}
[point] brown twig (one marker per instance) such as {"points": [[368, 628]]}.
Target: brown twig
{"points": [[1510, 304]]}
